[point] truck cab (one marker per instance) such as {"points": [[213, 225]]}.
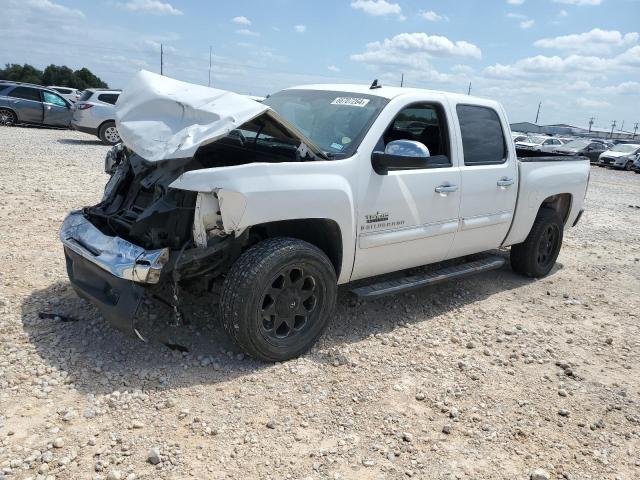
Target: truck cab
{"points": [[317, 186]]}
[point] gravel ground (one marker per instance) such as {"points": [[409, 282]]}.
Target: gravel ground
{"points": [[491, 377]]}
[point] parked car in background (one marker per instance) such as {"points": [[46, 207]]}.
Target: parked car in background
{"points": [[33, 104], [584, 147], [621, 155], [69, 93], [539, 143], [636, 164], [519, 137], [95, 114]]}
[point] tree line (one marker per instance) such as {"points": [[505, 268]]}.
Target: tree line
{"points": [[57, 75]]}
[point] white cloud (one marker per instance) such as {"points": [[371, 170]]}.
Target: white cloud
{"points": [[432, 16], [524, 24], [517, 16], [155, 7], [377, 8], [300, 28], [563, 13], [594, 41], [247, 32], [241, 20], [333, 68], [591, 103], [414, 49], [462, 69], [515, 2], [46, 7], [579, 3]]}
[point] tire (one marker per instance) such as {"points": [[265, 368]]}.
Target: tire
{"points": [[7, 117], [628, 166], [277, 298], [536, 256], [109, 134]]}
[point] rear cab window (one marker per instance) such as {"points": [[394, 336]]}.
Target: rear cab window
{"points": [[483, 140], [26, 93]]}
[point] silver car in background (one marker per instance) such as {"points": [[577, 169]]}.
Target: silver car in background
{"points": [[33, 104], [540, 143], [95, 114], [622, 155]]}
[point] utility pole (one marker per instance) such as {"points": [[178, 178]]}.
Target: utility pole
{"points": [[161, 60], [402, 79], [591, 120], [538, 114], [613, 125], [635, 129], [210, 50], [469, 90], [622, 126]]}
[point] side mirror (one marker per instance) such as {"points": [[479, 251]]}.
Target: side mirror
{"points": [[401, 155]]}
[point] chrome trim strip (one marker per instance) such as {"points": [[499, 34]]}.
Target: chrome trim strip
{"points": [[117, 256]]}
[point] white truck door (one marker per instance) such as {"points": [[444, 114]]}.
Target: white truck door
{"points": [[409, 217], [489, 173]]}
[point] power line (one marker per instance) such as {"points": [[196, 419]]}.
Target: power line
{"points": [[210, 51]]}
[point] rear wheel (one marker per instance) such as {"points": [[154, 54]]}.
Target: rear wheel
{"points": [[277, 298], [629, 165], [536, 256], [108, 133], [7, 117]]}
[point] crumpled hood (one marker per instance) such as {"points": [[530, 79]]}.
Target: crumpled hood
{"points": [[161, 118]]}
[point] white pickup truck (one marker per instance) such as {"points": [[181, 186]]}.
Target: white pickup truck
{"points": [[315, 187]]}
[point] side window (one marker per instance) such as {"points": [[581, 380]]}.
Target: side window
{"points": [[26, 93], [53, 99], [482, 136], [426, 124], [111, 98]]}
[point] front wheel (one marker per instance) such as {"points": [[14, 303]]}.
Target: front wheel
{"points": [[109, 134], [277, 298], [536, 256], [628, 166]]}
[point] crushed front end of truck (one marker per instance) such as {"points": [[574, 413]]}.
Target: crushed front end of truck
{"points": [[145, 236]]}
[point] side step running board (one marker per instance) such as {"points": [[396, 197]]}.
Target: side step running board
{"points": [[404, 284]]}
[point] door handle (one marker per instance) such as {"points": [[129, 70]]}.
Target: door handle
{"points": [[505, 182], [444, 189]]}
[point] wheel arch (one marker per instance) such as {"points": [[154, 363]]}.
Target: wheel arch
{"points": [[324, 233], [561, 203], [103, 124]]}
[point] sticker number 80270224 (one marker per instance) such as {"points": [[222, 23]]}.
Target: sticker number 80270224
{"points": [[350, 101]]}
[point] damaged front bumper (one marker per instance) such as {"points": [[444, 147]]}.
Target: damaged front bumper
{"points": [[110, 272], [115, 255]]}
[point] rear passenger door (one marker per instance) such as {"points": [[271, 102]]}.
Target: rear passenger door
{"points": [[489, 179], [27, 104], [57, 111]]}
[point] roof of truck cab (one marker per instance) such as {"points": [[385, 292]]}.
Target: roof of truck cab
{"points": [[387, 92]]}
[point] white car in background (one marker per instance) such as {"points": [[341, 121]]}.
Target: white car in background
{"points": [[620, 156], [69, 93], [540, 143], [519, 137], [95, 114]]}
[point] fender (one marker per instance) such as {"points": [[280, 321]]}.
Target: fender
{"points": [[258, 193]]}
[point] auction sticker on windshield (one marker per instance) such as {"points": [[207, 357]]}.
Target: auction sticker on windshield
{"points": [[351, 101]]}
